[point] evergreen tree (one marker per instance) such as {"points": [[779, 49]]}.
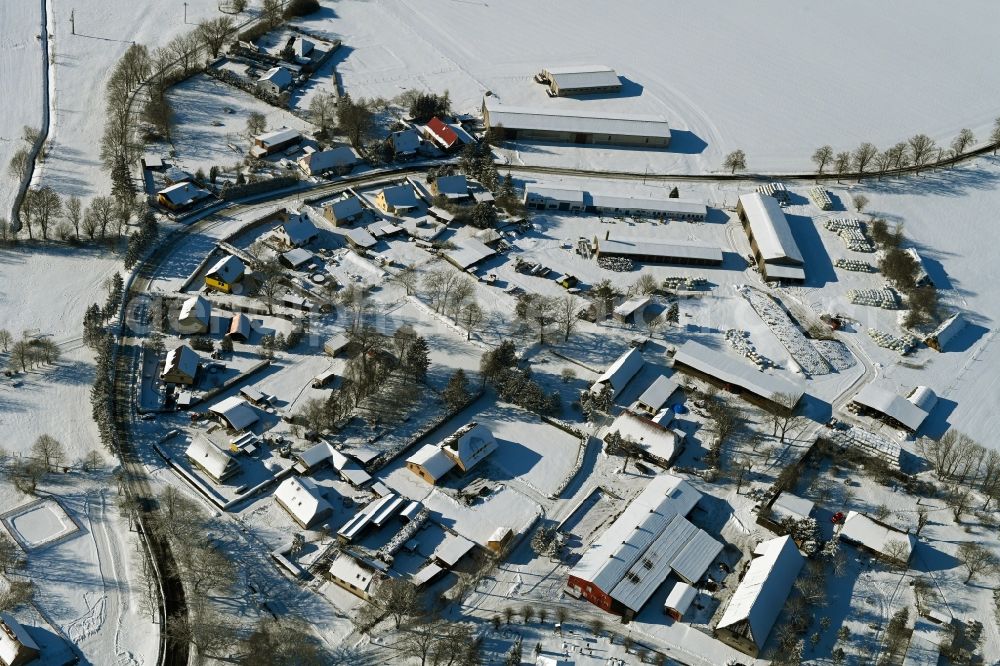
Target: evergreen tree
{"points": [[417, 359], [456, 394]]}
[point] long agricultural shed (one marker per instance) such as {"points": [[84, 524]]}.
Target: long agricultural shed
{"points": [[769, 391]]}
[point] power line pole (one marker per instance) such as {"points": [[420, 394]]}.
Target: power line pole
{"points": [[72, 21], [185, 13]]}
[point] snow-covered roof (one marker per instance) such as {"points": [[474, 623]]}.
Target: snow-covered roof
{"points": [[183, 360], [610, 558], [302, 498], [665, 206], [367, 515], [229, 269], [732, 371], [656, 440], [680, 597], [452, 549], [182, 194], [621, 372], [782, 272], [924, 648], [348, 570], [658, 392], [197, 308], [175, 174], [303, 47], [297, 257], [644, 247], [298, 229], [892, 405], [469, 445], [253, 394], [345, 208], [433, 461], [360, 237], [324, 160], [761, 594], [278, 136], [14, 639], [425, 228], [787, 505], [579, 77], [770, 229], [237, 413], [452, 185], [216, 462], [468, 252], [405, 141], [585, 122], [696, 556], [278, 76], [400, 196], [948, 330], [923, 397], [427, 574], [557, 194], [876, 536], [629, 307]]}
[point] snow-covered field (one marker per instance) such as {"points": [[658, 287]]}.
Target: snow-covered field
{"points": [[21, 63], [774, 78]]}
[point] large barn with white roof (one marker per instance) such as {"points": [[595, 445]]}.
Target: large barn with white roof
{"points": [[774, 248], [649, 541], [583, 127], [757, 602]]}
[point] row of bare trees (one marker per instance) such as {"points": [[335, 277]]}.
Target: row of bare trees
{"points": [[918, 151], [964, 464]]}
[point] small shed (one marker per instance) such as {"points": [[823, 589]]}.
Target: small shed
{"points": [[679, 599], [336, 344]]}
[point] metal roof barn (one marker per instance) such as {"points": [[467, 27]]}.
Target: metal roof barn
{"points": [[576, 122]]}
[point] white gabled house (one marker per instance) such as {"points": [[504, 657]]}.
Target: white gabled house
{"points": [[303, 500]]}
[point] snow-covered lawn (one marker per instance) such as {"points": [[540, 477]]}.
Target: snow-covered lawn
{"points": [[21, 63], [203, 127]]}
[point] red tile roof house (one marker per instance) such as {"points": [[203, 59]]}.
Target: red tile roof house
{"points": [[441, 134]]}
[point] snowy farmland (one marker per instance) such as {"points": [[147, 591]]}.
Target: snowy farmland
{"points": [[773, 79]]}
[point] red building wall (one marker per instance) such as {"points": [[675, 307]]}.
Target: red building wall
{"points": [[592, 593]]}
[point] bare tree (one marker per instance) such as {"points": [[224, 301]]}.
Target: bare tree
{"points": [[863, 156], [271, 12], [407, 279], [256, 123], [842, 164], [18, 166], [538, 311], [859, 201], [958, 498], [995, 135], [471, 316], [964, 139], [736, 160], [47, 208], [48, 451], [323, 112], [74, 213], [821, 158], [785, 420], [922, 519], [270, 283], [213, 33], [567, 310], [977, 558], [921, 148], [5, 339], [883, 162]]}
